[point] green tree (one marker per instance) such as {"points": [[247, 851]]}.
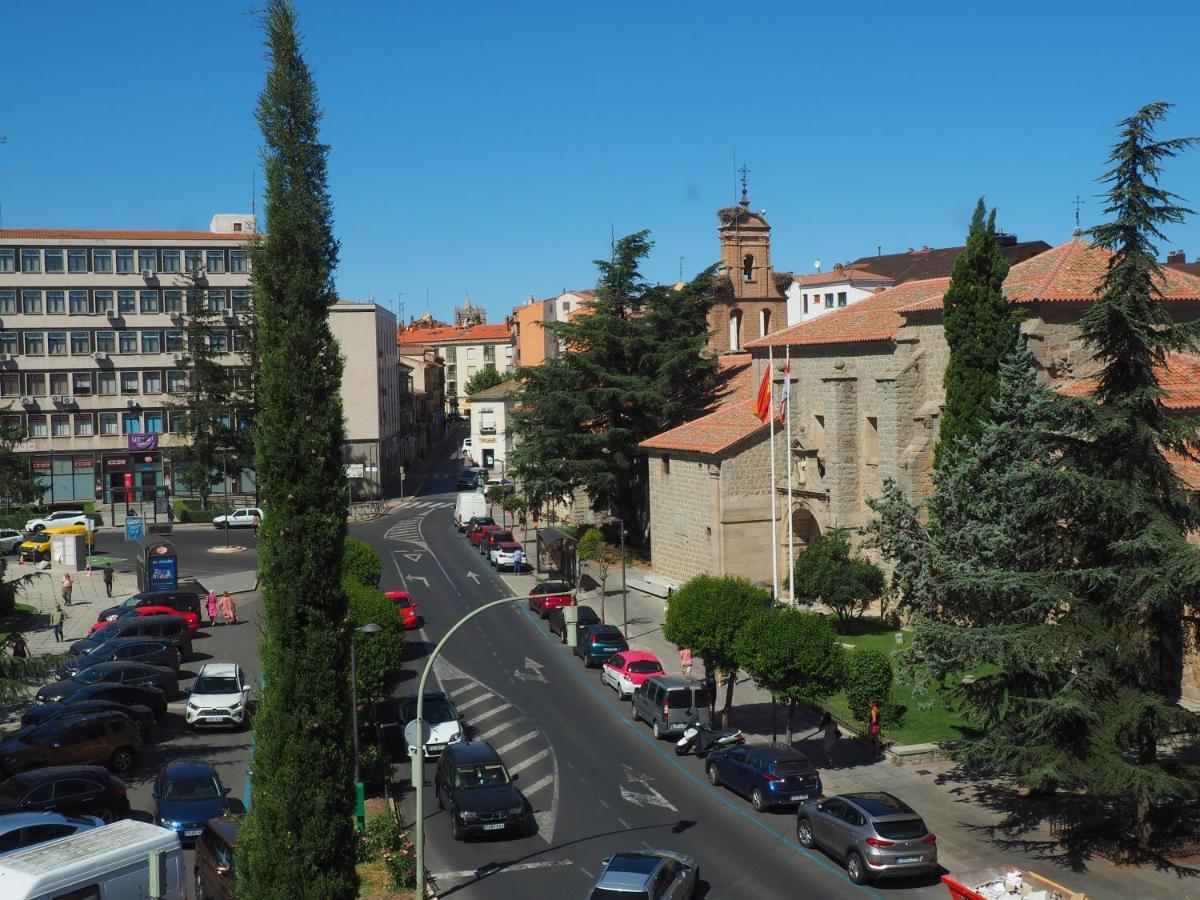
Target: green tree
{"points": [[298, 839], [17, 482], [979, 328], [828, 572], [592, 548], [362, 562], [378, 657], [483, 379], [706, 615], [868, 675], [794, 655]]}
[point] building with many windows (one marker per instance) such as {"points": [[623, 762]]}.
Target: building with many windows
{"points": [[465, 351], [92, 348]]}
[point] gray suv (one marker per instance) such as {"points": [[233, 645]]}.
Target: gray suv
{"points": [[874, 834], [668, 705]]}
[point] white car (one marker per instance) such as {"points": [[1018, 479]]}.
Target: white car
{"points": [[505, 557], [58, 517], [25, 829], [240, 518], [445, 723], [466, 447], [11, 539], [218, 697]]}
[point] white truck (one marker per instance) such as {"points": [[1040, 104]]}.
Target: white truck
{"points": [[467, 505]]}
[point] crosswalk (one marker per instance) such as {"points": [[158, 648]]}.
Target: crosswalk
{"points": [[407, 531], [429, 505]]}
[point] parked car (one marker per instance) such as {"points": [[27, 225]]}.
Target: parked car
{"points": [[240, 518], [469, 478], [657, 874], [467, 506], [625, 671], [193, 621], [476, 534], [506, 485], [214, 875], [465, 449], [872, 834], [477, 521], [124, 694], [442, 716], [140, 650], [37, 544], [171, 629], [110, 738], [143, 716], [70, 790], [58, 517], [220, 696], [187, 602], [406, 608], [131, 673], [10, 540], [504, 555], [27, 829], [472, 782], [187, 793], [598, 642], [769, 774], [556, 620], [547, 595], [492, 538], [668, 705]]}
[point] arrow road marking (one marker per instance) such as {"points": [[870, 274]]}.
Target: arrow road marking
{"points": [[415, 557], [420, 578], [648, 796], [473, 577], [531, 667]]}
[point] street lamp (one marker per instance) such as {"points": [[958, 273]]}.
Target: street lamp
{"points": [[225, 478], [369, 628], [624, 594]]}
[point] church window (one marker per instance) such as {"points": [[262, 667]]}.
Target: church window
{"points": [[748, 267], [764, 322], [735, 330]]}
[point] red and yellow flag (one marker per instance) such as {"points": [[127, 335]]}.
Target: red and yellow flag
{"points": [[762, 403]]}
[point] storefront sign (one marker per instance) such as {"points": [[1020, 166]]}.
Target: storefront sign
{"points": [[41, 465], [354, 470], [139, 441], [116, 462], [81, 462]]}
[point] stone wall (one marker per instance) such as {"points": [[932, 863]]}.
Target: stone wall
{"points": [[683, 515]]}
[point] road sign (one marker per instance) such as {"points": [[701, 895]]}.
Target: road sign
{"points": [[414, 730], [354, 470], [134, 528]]}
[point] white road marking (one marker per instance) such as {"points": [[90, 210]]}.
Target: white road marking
{"points": [[624, 824], [603, 803], [533, 672], [499, 870], [529, 761], [511, 745], [475, 701], [420, 578], [491, 712], [473, 577], [537, 785], [461, 690], [492, 732], [648, 796], [586, 872]]}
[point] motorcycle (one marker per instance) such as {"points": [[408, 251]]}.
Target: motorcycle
{"points": [[702, 740]]}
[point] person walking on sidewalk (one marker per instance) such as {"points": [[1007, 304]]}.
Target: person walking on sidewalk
{"points": [[710, 690], [228, 610], [57, 617], [685, 662], [210, 606], [875, 727], [67, 585], [829, 736], [108, 578], [19, 647], [519, 561]]}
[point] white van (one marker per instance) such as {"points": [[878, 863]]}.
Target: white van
{"points": [[108, 863], [471, 503]]}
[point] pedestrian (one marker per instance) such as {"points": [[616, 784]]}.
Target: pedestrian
{"points": [[685, 662], [829, 736], [108, 578], [210, 604], [874, 727], [710, 690], [518, 560], [67, 585], [254, 523], [19, 647], [57, 617], [228, 610]]}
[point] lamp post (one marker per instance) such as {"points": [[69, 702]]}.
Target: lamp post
{"points": [[225, 478], [359, 794], [624, 594]]}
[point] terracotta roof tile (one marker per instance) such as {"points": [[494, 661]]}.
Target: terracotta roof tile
{"points": [[837, 275], [475, 334], [733, 420], [110, 235], [1179, 378]]}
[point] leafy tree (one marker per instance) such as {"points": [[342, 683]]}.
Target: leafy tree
{"points": [[592, 548], [794, 655], [979, 327], [868, 675], [706, 614], [827, 571], [378, 657], [483, 379], [494, 495], [635, 366], [513, 505], [298, 839], [362, 562]]}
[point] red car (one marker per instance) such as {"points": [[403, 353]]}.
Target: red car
{"points": [[625, 671], [545, 597], [406, 608], [477, 532], [193, 621]]}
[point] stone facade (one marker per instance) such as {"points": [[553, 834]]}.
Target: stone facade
{"points": [[749, 304]]}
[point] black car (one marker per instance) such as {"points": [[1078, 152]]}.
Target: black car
{"points": [[167, 627], [587, 616], [70, 790], [470, 478], [124, 694], [472, 781], [154, 652], [135, 674], [184, 601], [142, 715]]}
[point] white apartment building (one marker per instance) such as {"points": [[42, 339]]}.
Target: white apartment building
{"points": [[465, 351], [810, 296], [91, 341], [491, 439]]}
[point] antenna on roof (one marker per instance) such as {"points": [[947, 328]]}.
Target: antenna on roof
{"points": [[1077, 203], [3, 140], [254, 196], [735, 174]]}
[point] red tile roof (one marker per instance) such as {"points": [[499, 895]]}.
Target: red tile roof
{"points": [[1179, 378], [109, 235], [475, 334], [837, 275], [875, 318], [732, 421]]}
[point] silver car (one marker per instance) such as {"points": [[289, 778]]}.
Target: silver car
{"points": [[873, 834], [654, 874]]}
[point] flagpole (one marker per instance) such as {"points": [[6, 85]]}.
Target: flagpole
{"points": [[787, 460], [774, 514]]}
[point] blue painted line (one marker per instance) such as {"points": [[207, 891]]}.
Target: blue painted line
{"points": [[249, 775]]}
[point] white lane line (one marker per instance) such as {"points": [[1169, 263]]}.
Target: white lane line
{"points": [[492, 732], [475, 701], [499, 870], [463, 689], [602, 803], [537, 785], [587, 873], [491, 712], [529, 761], [624, 824], [528, 736]]}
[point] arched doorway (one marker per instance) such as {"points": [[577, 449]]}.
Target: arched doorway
{"points": [[805, 528]]}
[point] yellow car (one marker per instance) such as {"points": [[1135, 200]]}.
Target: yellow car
{"points": [[38, 544]]}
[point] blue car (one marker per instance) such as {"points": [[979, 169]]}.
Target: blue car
{"points": [[187, 793], [769, 774], [597, 643]]}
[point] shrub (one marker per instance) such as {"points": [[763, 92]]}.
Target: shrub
{"points": [[362, 563], [868, 674], [377, 656], [382, 833]]}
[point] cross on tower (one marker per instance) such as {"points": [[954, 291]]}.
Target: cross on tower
{"points": [[1077, 203], [744, 172]]}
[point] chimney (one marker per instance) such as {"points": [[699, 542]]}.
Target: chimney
{"points": [[1177, 257], [1006, 240]]}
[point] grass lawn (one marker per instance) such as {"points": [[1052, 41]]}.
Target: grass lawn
{"points": [[14, 620], [919, 726]]}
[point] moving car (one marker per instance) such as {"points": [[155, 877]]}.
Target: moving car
{"points": [[130, 673], [26, 829], [598, 642], [668, 705], [110, 738], [556, 620], [872, 834], [406, 608], [472, 782], [187, 793], [442, 716], [214, 875], [625, 671], [769, 774], [504, 555], [10, 540], [648, 874], [469, 478], [70, 790], [58, 517], [169, 628], [240, 518], [547, 595], [153, 651], [220, 696], [125, 694], [193, 621]]}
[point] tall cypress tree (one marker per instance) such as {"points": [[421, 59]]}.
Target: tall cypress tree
{"points": [[298, 839], [979, 329]]}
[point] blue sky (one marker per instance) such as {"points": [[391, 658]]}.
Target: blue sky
{"points": [[489, 148]]}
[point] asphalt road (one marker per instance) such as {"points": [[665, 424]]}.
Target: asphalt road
{"points": [[598, 783]]}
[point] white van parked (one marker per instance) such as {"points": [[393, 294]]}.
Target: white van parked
{"points": [[471, 503], [109, 863]]}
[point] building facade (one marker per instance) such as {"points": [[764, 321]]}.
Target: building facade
{"points": [[749, 303], [92, 349], [427, 371], [532, 343], [491, 439], [465, 352]]}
